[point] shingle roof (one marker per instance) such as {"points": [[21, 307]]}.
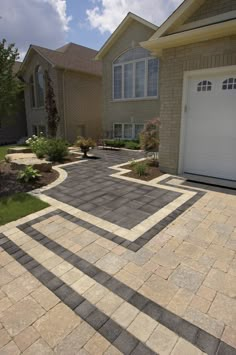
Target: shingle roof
{"points": [[72, 57]]}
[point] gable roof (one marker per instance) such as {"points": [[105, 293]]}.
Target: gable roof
{"points": [[71, 57], [165, 36], [120, 29]]}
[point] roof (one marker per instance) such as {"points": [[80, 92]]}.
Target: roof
{"points": [[71, 57], [118, 32]]}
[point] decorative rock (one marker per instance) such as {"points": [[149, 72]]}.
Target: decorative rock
{"points": [[19, 150], [21, 160]]}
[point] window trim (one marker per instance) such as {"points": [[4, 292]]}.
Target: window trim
{"points": [[133, 98], [122, 129]]}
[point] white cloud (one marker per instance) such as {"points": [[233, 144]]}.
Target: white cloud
{"points": [[106, 15], [40, 22]]}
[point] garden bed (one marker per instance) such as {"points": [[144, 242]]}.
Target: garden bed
{"points": [[152, 171], [10, 185]]}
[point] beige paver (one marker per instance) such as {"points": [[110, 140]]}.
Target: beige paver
{"points": [[229, 336], [45, 298], [162, 340], [73, 342], [21, 287], [109, 303], [185, 348], [142, 327], [72, 276], [223, 308], [220, 281], [5, 303], [111, 263], [95, 293], [125, 314], [4, 337], [132, 281], [56, 324], [10, 349], [186, 277], [5, 277], [38, 348], [83, 284], [180, 301], [21, 315], [201, 304], [206, 293], [92, 252], [97, 345], [165, 257], [26, 338], [189, 250]]}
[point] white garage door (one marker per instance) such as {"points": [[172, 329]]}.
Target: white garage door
{"points": [[210, 126]]}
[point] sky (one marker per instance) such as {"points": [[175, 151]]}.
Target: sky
{"points": [[52, 23]]}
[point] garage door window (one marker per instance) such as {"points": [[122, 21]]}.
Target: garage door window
{"points": [[204, 85], [229, 84]]}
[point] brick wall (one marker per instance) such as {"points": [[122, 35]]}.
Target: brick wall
{"points": [[212, 8], [174, 62]]}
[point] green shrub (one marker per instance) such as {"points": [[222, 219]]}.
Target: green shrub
{"points": [[116, 143], [38, 144], [57, 150], [85, 144], [132, 145], [28, 174], [149, 137], [133, 163], [140, 169]]}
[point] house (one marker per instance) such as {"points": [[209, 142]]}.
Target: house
{"points": [[197, 50], [13, 127], [77, 84], [130, 79]]}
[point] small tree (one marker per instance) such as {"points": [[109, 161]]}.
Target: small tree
{"points": [[10, 85], [51, 107], [149, 137]]}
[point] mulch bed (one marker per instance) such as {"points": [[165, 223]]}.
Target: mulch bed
{"points": [[10, 185], [69, 159], [152, 172]]}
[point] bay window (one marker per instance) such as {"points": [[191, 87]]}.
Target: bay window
{"points": [[135, 75]]}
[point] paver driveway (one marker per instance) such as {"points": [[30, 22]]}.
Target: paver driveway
{"points": [[119, 266]]}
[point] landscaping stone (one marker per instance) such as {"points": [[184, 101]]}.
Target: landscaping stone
{"points": [[21, 160], [19, 150]]}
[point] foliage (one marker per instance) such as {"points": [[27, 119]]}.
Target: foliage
{"points": [[38, 144], [85, 144], [132, 145], [149, 137], [51, 107], [133, 163], [19, 205], [57, 149], [28, 174], [140, 168], [10, 85]]}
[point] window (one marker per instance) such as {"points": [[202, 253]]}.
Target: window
{"points": [[35, 130], [42, 130], [118, 130], [135, 75], [204, 85], [127, 130], [32, 93], [229, 84], [138, 128], [39, 85]]}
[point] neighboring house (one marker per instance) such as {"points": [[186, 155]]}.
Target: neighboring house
{"points": [[13, 127], [130, 79], [197, 47], [77, 84]]}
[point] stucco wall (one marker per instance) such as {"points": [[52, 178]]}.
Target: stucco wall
{"points": [[34, 115], [82, 101], [212, 8], [132, 111], [174, 63]]}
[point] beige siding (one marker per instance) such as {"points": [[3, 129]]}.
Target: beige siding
{"points": [[37, 116], [175, 62], [212, 8], [136, 111], [82, 103]]}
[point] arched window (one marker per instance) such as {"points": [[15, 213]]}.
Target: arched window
{"points": [[229, 84], [39, 86], [32, 92], [204, 85], [135, 75]]}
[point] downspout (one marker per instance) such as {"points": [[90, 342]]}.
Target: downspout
{"points": [[64, 104]]}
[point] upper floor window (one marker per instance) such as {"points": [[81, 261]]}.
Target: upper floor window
{"points": [[32, 91], [135, 75], [229, 84], [39, 86]]}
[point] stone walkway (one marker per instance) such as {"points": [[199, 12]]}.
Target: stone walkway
{"points": [[117, 266]]}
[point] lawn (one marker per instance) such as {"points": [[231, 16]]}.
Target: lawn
{"points": [[17, 206]]}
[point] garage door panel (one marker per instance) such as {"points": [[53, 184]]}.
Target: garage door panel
{"points": [[210, 127]]}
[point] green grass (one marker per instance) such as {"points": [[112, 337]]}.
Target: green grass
{"points": [[19, 205]]}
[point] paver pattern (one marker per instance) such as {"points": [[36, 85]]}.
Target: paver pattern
{"points": [[73, 282]]}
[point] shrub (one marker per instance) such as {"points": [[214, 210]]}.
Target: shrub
{"points": [[57, 150], [116, 143], [38, 144], [85, 144], [28, 174], [140, 169], [132, 145], [149, 137]]}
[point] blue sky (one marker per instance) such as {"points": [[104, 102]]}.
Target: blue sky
{"points": [[52, 23]]}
